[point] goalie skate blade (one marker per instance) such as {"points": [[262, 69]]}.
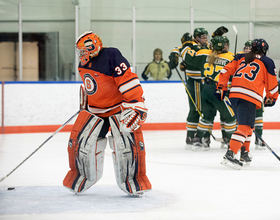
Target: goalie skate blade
{"points": [[229, 164], [138, 193]]}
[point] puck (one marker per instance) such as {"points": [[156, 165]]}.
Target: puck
{"points": [[11, 188]]}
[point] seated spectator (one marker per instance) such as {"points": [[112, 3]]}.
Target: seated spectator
{"points": [[158, 69]]}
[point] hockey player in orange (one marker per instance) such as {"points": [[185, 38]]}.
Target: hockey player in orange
{"points": [[111, 97], [252, 73]]}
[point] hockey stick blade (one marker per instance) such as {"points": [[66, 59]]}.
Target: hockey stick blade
{"points": [[62, 126], [219, 140], [235, 29]]}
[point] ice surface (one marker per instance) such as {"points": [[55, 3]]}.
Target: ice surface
{"points": [[186, 184]]}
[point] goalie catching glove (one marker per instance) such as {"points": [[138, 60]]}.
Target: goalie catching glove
{"points": [[132, 116]]}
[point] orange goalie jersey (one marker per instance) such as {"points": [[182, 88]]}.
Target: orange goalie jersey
{"points": [[109, 82], [249, 80]]}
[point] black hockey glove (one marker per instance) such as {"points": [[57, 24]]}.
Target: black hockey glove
{"points": [[220, 93], [183, 66], [269, 102], [173, 60], [186, 37], [220, 31]]}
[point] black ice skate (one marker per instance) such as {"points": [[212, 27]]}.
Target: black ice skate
{"points": [[206, 143], [225, 143], [189, 143], [245, 157], [231, 161], [197, 143], [259, 145], [201, 143]]}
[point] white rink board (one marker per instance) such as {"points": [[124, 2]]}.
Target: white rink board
{"points": [[53, 103]]}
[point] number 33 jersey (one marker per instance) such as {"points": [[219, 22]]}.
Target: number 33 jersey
{"points": [[108, 82], [249, 80]]}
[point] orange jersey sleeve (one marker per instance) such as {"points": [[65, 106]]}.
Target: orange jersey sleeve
{"points": [[130, 87]]}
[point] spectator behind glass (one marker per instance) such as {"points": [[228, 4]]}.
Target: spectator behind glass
{"points": [[158, 69]]}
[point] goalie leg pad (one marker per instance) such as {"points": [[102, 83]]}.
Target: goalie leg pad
{"points": [[128, 158], [86, 153]]}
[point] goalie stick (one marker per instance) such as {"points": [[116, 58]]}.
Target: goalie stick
{"points": [[267, 145], [216, 139], [62, 126]]}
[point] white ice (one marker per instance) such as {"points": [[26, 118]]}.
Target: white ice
{"points": [[186, 184]]}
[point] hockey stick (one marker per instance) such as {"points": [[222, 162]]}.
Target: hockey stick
{"points": [[62, 126], [267, 145], [218, 139], [235, 30]]}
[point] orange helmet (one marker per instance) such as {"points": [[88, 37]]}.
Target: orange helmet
{"points": [[88, 45]]}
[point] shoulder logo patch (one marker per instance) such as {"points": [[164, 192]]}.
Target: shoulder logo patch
{"points": [[90, 84]]}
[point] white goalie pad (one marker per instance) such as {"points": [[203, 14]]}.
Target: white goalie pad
{"points": [[94, 171], [91, 150], [123, 158]]}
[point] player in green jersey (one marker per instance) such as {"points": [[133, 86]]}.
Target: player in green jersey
{"points": [[193, 78], [210, 63]]}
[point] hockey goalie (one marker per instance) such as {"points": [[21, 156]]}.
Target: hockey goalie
{"points": [[111, 97]]}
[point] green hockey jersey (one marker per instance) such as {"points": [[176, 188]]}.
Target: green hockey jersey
{"points": [[200, 60]]}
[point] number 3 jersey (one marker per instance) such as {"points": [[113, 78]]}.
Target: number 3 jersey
{"points": [[108, 82], [249, 80]]}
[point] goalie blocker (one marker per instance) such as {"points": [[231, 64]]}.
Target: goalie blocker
{"points": [[86, 150]]}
